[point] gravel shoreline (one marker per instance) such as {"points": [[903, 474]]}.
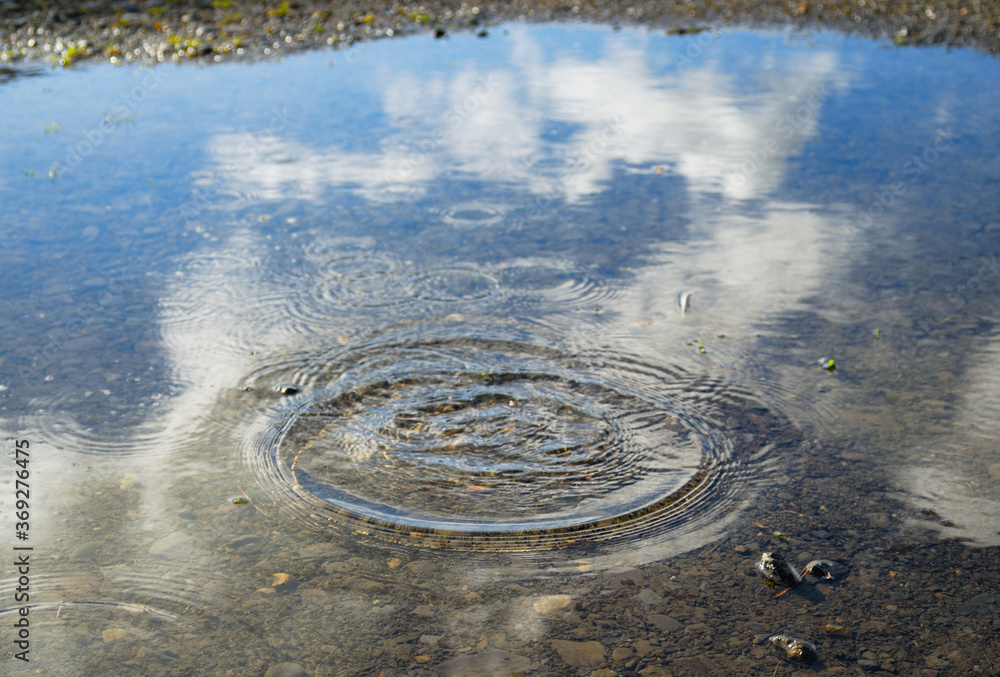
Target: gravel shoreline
{"points": [[63, 33]]}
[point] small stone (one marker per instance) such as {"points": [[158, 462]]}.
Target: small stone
{"points": [[700, 665], [430, 639], [278, 579], [394, 562], [655, 671], [422, 658], [545, 605], [621, 654], [286, 670], [648, 597], [111, 634], [579, 654], [879, 626], [666, 623], [987, 603], [642, 647], [491, 663], [423, 611], [603, 672], [322, 551]]}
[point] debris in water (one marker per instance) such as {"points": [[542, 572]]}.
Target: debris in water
{"points": [[795, 649]]}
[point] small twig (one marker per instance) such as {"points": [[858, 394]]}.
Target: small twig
{"points": [[973, 579], [714, 548], [390, 581], [252, 502], [988, 660]]}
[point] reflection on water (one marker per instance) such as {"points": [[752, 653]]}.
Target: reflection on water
{"points": [[558, 127], [493, 356]]}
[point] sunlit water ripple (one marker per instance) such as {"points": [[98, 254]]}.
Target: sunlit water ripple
{"points": [[481, 437]]}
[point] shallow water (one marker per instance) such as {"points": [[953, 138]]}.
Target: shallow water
{"points": [[433, 356]]}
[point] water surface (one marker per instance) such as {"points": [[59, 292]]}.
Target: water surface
{"points": [[433, 356]]}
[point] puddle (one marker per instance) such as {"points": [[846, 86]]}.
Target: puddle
{"points": [[474, 355]]}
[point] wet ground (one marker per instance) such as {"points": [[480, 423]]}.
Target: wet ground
{"points": [[508, 356]]}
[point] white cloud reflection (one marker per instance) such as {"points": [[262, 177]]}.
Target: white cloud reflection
{"points": [[958, 472], [561, 126]]}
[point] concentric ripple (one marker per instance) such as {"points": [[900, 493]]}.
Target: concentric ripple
{"points": [[506, 445], [473, 215], [451, 285], [555, 162]]}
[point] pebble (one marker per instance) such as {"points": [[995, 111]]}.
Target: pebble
{"points": [[648, 597], [490, 663], [666, 623], [579, 654], [700, 665], [621, 654], [545, 605], [286, 670], [642, 647]]}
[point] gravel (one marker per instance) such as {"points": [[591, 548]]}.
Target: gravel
{"points": [[64, 33]]}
